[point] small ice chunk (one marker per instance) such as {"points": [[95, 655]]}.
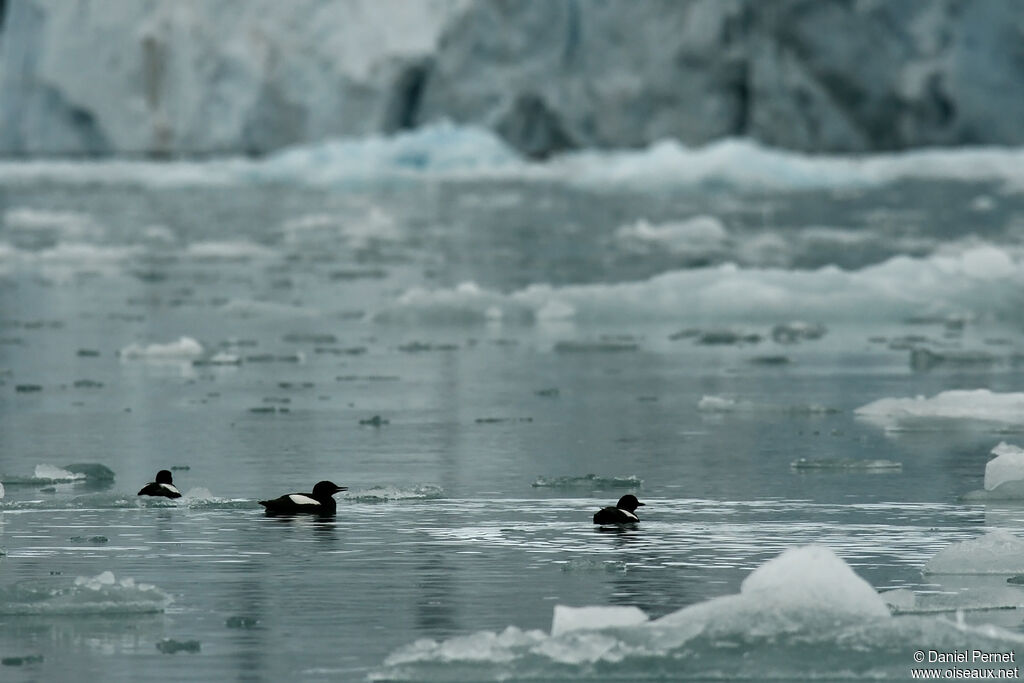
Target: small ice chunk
{"points": [[997, 552], [52, 473], [1008, 465], [594, 618], [716, 404], [185, 347]]}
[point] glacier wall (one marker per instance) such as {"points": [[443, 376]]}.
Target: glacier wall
{"points": [[187, 77]]}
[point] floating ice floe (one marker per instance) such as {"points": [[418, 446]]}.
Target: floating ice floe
{"points": [[981, 279], [978, 405], [45, 474], [722, 404], [700, 237], [589, 481], [997, 552], [806, 600], [96, 595], [186, 348], [459, 152], [380, 494], [963, 594], [228, 251], [846, 465]]}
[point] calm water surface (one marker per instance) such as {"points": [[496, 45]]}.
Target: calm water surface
{"points": [[443, 532]]}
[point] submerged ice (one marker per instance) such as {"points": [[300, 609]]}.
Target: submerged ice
{"points": [[102, 594]]}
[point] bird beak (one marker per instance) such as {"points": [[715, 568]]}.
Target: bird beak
{"points": [[639, 503], [340, 488]]}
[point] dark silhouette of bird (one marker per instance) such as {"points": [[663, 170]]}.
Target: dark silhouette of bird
{"points": [[161, 487], [320, 501], [624, 512]]}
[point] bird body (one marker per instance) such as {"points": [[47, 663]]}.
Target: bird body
{"points": [[320, 501], [163, 486], [624, 512]]}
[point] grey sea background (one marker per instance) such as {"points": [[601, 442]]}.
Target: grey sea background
{"points": [[485, 351]]}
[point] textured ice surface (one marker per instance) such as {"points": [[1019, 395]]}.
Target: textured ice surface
{"points": [[795, 589], [183, 349], [697, 237], [379, 494], [568, 619], [453, 152], [997, 552], [795, 617], [981, 405], [1007, 466], [100, 594], [990, 593], [978, 279]]}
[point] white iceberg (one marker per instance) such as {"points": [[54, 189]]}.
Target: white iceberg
{"points": [[978, 405], [1007, 466], [997, 552]]}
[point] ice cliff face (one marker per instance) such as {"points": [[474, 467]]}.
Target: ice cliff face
{"points": [[196, 77], [184, 77]]}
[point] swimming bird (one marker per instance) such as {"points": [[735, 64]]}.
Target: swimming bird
{"points": [[622, 513], [161, 487], [320, 501]]}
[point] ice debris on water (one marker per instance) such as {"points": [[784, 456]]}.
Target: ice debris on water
{"points": [[923, 359], [601, 346], [979, 405], [804, 600], [381, 494], [722, 404], [997, 552], [47, 474], [797, 331], [21, 660], [846, 464], [170, 646], [992, 595], [100, 594], [589, 481], [238, 621], [186, 348]]}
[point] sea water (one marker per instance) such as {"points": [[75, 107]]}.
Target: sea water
{"points": [[770, 351]]}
